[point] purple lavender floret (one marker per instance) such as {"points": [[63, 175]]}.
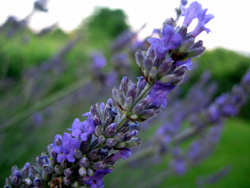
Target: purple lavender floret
{"points": [[157, 95], [83, 129], [121, 154], [195, 11], [97, 179], [183, 2], [66, 150], [169, 41]]}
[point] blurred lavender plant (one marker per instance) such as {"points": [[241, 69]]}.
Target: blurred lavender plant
{"points": [[208, 123], [86, 154]]}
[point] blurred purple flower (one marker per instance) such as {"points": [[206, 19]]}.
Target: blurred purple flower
{"points": [[98, 60], [37, 118]]}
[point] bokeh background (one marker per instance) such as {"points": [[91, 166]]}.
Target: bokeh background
{"points": [[47, 80]]}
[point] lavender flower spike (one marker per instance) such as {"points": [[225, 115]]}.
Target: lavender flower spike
{"points": [[84, 156]]}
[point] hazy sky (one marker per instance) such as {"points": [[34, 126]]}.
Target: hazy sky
{"points": [[229, 28]]}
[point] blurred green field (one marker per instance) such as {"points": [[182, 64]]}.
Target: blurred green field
{"points": [[24, 141], [232, 150]]}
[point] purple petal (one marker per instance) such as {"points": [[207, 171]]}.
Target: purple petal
{"points": [[70, 157], [61, 157]]}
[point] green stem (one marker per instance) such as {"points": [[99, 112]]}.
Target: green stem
{"points": [[42, 104]]}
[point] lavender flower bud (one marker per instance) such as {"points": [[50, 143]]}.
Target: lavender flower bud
{"points": [[112, 112], [77, 154], [64, 164], [153, 74], [124, 85], [110, 130], [39, 161], [129, 135], [82, 171], [58, 169], [132, 91], [133, 142], [14, 171], [93, 155], [97, 120], [148, 63], [124, 128], [68, 172], [103, 153], [25, 171], [108, 121], [99, 166], [98, 131], [128, 103], [119, 137], [147, 114], [83, 147], [109, 103], [169, 21], [27, 182], [120, 145], [196, 52], [94, 111], [115, 95], [67, 181], [48, 169], [110, 142], [182, 31], [34, 171], [38, 183], [84, 162], [180, 72], [101, 139], [120, 97], [134, 126], [141, 84], [45, 176], [186, 44], [139, 55], [17, 181], [198, 44], [58, 142], [164, 67], [93, 143], [75, 184], [90, 172], [168, 78]]}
